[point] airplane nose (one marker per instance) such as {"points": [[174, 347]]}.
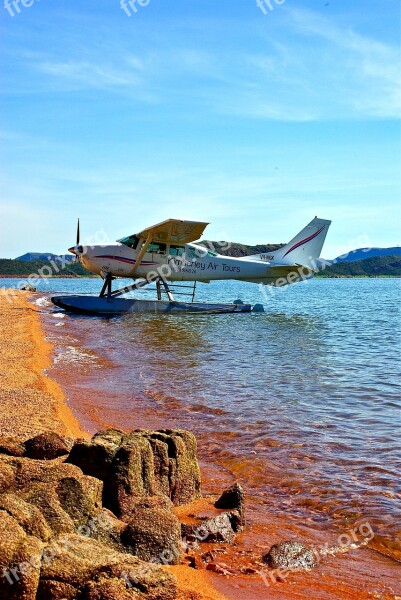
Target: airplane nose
{"points": [[76, 250]]}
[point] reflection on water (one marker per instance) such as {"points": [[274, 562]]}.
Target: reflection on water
{"points": [[302, 402]]}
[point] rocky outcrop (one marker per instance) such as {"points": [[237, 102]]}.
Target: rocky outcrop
{"points": [[92, 522], [140, 463], [290, 555]]}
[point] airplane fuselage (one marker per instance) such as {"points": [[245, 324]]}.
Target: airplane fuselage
{"points": [[190, 262], [167, 251]]}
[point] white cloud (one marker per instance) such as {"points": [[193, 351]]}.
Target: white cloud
{"points": [[89, 74]]}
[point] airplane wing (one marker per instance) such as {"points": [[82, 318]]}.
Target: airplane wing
{"points": [[174, 231]]}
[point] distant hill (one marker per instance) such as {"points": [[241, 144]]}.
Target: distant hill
{"points": [[236, 249], [25, 268], [362, 253], [377, 266], [44, 256]]}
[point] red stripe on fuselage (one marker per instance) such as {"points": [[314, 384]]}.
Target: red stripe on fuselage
{"points": [[126, 260]]}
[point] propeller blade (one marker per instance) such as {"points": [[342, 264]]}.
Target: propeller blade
{"points": [[78, 234]]}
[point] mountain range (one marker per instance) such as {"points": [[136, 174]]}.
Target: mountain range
{"points": [[362, 253], [44, 256]]}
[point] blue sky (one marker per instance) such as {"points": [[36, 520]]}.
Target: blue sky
{"points": [[200, 109]]}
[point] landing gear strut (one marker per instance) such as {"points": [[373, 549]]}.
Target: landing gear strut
{"points": [[106, 286]]}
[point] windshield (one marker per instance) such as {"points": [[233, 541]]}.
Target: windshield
{"points": [[131, 241]]}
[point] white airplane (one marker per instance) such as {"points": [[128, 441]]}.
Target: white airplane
{"points": [[166, 252]]}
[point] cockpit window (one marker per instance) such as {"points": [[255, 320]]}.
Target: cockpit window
{"points": [[131, 241]]}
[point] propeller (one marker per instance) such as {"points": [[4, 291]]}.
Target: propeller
{"points": [[77, 249]]}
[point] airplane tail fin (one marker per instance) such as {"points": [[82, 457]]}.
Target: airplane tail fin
{"points": [[304, 249]]}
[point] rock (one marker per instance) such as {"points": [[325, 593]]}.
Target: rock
{"points": [[140, 463], [46, 446], [11, 446], [80, 497], [45, 498], [234, 498], [95, 457], [290, 555], [141, 502], [27, 516], [20, 560], [154, 534], [28, 288], [68, 503], [221, 528], [28, 470], [184, 479], [65, 496], [131, 475], [85, 564]]}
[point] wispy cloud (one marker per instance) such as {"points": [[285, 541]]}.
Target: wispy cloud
{"points": [[366, 70], [86, 74], [308, 68]]}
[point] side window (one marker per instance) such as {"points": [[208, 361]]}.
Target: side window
{"points": [[197, 253], [176, 250], [191, 253], [157, 248]]}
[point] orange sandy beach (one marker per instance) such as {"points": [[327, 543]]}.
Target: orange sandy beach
{"points": [[30, 402]]}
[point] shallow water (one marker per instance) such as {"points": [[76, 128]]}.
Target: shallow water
{"points": [[301, 403]]}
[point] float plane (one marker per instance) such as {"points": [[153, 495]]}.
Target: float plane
{"points": [[167, 253]]}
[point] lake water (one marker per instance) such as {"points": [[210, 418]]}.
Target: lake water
{"points": [[301, 403]]}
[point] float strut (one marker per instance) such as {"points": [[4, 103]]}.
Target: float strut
{"points": [[106, 286], [168, 291]]}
